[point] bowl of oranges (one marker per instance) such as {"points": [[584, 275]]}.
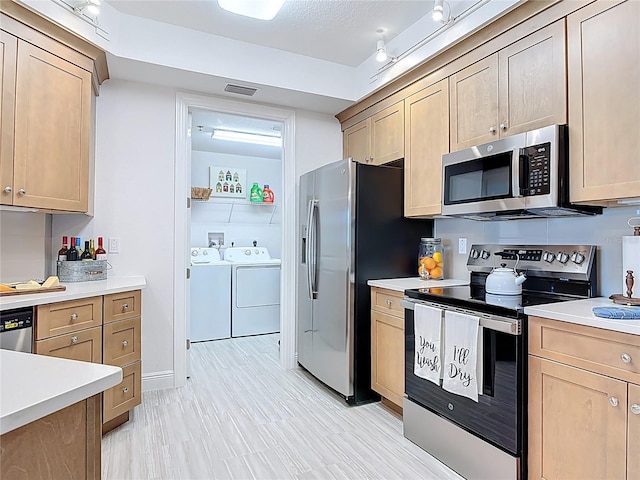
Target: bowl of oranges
{"points": [[430, 266]]}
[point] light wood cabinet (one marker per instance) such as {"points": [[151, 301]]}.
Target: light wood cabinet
{"points": [[83, 345], [387, 345], [581, 402], [520, 88], [70, 316], [378, 139], [46, 121], [604, 101], [426, 140]]}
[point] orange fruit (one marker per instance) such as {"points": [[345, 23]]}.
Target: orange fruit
{"points": [[435, 272], [428, 263]]}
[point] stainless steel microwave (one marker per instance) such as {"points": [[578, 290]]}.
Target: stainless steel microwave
{"points": [[521, 176]]}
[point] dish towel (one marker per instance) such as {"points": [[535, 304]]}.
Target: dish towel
{"points": [[428, 343], [619, 313], [462, 357]]}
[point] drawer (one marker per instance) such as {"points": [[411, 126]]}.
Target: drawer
{"points": [[124, 396], [387, 301], [64, 317], [610, 353], [119, 306], [121, 342], [85, 345]]}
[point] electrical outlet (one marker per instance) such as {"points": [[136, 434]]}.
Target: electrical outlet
{"points": [[114, 245], [462, 246]]}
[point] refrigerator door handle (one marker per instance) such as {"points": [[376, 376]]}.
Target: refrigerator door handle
{"points": [[311, 250]]}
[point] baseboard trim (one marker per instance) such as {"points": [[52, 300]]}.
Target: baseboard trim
{"points": [[158, 381]]}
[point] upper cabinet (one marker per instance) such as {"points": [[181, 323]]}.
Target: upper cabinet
{"points": [[426, 140], [604, 75], [378, 139], [47, 96], [522, 87]]}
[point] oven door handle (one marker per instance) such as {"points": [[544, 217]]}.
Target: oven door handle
{"points": [[510, 326]]}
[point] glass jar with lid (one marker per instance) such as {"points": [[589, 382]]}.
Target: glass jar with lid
{"points": [[430, 259]]}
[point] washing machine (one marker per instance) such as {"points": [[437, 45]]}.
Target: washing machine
{"points": [[210, 296], [255, 291]]}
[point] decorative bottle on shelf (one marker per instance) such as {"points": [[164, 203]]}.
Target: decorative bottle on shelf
{"points": [[267, 194], [92, 249], [78, 247], [86, 254], [256, 194], [101, 254], [72, 253], [62, 253]]}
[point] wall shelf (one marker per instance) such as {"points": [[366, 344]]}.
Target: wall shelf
{"points": [[240, 206]]}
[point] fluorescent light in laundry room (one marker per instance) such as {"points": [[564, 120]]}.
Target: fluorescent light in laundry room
{"points": [[245, 137], [260, 9]]}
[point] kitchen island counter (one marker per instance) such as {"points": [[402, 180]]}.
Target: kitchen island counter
{"points": [[580, 313], [402, 284], [74, 291]]}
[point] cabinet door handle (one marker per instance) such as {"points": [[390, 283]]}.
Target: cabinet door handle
{"points": [[74, 316], [492, 129], [503, 126], [8, 189], [125, 344], [125, 306], [613, 401], [125, 389], [74, 339], [22, 191], [389, 303], [635, 409], [625, 357]]}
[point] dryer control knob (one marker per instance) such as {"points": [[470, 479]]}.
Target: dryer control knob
{"points": [[247, 252], [194, 253]]}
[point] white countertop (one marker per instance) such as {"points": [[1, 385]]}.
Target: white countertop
{"points": [[34, 386], [579, 312], [402, 284], [74, 291]]}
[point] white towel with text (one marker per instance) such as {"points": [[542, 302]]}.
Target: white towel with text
{"points": [[462, 365], [428, 343]]}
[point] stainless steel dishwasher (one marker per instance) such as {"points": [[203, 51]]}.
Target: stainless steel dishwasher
{"points": [[16, 329]]}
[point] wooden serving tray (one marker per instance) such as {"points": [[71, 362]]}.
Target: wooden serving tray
{"points": [[59, 288], [622, 300]]}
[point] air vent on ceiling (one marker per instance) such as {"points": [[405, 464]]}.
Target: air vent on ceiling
{"points": [[240, 90]]}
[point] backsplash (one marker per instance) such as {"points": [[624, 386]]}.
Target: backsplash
{"points": [[605, 231], [23, 237]]}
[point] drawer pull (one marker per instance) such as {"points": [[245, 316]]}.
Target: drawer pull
{"points": [[635, 409], [625, 357], [74, 339], [613, 401], [125, 344], [74, 316], [389, 303], [125, 389], [125, 306]]}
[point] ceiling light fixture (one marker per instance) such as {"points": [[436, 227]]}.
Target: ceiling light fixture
{"points": [[245, 137], [381, 50], [438, 13], [260, 9], [91, 6]]}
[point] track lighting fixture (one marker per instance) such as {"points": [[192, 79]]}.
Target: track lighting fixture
{"points": [[441, 12], [91, 6], [381, 51]]}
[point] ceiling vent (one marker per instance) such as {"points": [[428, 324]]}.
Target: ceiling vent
{"points": [[240, 90]]}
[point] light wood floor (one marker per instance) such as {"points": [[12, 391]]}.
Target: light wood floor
{"points": [[241, 416]]}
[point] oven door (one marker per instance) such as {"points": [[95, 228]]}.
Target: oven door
{"points": [[498, 416], [483, 179]]}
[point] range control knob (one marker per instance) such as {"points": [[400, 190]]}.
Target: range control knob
{"points": [[474, 253], [548, 257], [577, 258], [484, 254], [563, 257]]}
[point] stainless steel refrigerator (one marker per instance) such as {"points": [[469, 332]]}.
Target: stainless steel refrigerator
{"points": [[351, 230]]}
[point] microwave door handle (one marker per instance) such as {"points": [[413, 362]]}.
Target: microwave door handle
{"points": [[516, 175], [524, 171]]}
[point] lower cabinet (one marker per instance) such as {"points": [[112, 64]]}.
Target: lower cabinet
{"points": [[387, 345], [584, 402], [104, 329]]}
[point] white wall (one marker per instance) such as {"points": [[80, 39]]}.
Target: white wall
{"points": [[604, 230], [240, 224], [22, 238], [135, 199]]}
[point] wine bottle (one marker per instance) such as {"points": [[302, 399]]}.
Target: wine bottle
{"points": [[62, 253], [79, 247], [101, 254], [92, 249], [86, 254], [72, 253]]}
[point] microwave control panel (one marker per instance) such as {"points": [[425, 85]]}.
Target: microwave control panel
{"points": [[535, 166]]}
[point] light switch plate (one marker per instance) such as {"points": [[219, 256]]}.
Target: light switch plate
{"points": [[114, 245], [462, 246]]}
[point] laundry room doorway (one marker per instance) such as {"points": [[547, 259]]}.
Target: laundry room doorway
{"points": [[233, 154]]}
